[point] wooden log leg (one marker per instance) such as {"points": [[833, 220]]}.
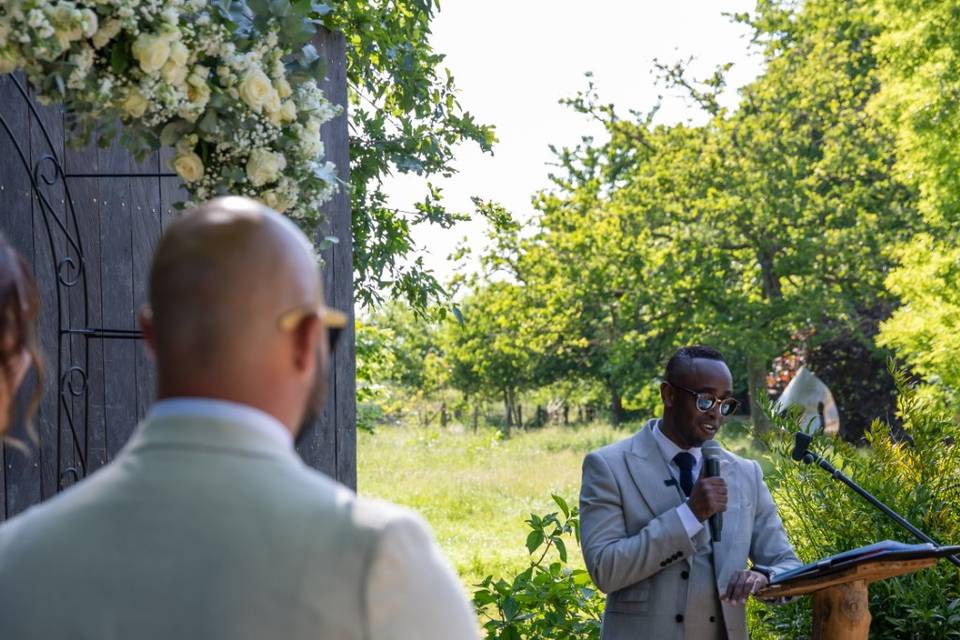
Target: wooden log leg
{"points": [[842, 611]]}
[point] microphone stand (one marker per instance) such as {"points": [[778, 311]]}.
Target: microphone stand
{"points": [[810, 457]]}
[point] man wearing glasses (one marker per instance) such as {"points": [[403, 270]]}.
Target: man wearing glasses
{"points": [[644, 506], [208, 525]]}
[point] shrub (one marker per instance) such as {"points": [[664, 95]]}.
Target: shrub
{"points": [[548, 599], [917, 475]]}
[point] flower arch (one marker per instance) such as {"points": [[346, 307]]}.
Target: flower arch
{"points": [[232, 85]]}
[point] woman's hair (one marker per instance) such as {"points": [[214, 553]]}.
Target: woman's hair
{"points": [[19, 306]]}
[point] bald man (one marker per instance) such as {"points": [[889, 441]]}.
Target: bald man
{"points": [[207, 524]]}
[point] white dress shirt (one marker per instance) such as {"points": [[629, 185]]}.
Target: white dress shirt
{"points": [[669, 450], [412, 593], [263, 422]]}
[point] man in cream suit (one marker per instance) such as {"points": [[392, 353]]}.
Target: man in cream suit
{"points": [[644, 508], [208, 525]]}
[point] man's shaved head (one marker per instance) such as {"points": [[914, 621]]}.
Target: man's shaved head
{"points": [[221, 277]]}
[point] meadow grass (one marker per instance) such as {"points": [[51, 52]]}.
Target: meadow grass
{"points": [[477, 489]]}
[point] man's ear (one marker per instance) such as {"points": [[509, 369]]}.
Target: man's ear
{"points": [[666, 394], [306, 335], [145, 320]]}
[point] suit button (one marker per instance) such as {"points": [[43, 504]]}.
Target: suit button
{"points": [[663, 564], [713, 619], [685, 575], [679, 617]]}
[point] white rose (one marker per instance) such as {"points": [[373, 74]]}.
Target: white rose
{"points": [[255, 89], [179, 54], [188, 166], [272, 103], [312, 146], [89, 21], [151, 52], [197, 88], [288, 111], [135, 104], [275, 201], [264, 166], [283, 87], [106, 33], [173, 73]]}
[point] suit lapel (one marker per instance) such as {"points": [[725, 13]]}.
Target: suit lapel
{"points": [[720, 554], [650, 473]]}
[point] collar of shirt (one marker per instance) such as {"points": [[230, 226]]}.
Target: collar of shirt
{"points": [[669, 450], [222, 410]]}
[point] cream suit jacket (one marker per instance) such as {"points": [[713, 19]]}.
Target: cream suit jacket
{"points": [[210, 529], [636, 548]]}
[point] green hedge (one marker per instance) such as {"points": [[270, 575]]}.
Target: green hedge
{"points": [[916, 471]]}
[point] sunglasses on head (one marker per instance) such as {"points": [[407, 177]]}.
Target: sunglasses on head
{"points": [[706, 401], [334, 320]]}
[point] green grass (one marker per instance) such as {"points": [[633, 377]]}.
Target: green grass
{"points": [[476, 489]]}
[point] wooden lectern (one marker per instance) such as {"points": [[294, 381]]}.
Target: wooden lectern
{"points": [[841, 605]]}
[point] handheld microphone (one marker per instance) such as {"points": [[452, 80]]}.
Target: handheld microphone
{"points": [[711, 469], [801, 443]]}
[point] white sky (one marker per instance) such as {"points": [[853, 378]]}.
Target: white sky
{"points": [[513, 61]]}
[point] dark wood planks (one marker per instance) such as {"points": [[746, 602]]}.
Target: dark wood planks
{"points": [[21, 477], [330, 444]]}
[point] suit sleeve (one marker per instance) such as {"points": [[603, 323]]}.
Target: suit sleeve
{"points": [[614, 558], [770, 550], [412, 593]]}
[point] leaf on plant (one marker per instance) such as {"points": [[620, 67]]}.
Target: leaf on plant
{"points": [[534, 540]]}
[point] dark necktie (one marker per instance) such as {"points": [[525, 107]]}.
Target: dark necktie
{"points": [[685, 461]]}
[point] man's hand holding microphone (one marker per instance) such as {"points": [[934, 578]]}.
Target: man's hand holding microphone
{"points": [[708, 501]]}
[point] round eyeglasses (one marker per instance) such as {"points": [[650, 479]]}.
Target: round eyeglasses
{"points": [[705, 401]]}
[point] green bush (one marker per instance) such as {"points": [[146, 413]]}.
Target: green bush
{"points": [[548, 599], [915, 471]]}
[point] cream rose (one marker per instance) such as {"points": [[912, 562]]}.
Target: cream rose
{"points": [[90, 23], [264, 166], [173, 73], [256, 90], [188, 166], [197, 88], [275, 201], [288, 111], [107, 32], [135, 104], [283, 87], [179, 54], [151, 52]]}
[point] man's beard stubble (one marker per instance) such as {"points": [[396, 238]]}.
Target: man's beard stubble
{"points": [[315, 400]]}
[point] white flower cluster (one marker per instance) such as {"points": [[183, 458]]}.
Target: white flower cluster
{"points": [[174, 71]]}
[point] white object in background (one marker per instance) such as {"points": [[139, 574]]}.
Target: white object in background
{"points": [[808, 391]]}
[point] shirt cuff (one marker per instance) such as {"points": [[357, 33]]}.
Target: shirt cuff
{"points": [[690, 522]]}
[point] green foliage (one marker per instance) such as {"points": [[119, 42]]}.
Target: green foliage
{"points": [[916, 474], [548, 599], [920, 73], [404, 117]]}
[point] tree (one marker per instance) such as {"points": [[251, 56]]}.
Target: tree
{"points": [[920, 70], [404, 117]]}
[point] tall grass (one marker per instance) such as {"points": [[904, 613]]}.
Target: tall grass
{"points": [[476, 489]]}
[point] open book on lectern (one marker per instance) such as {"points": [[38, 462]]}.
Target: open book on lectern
{"points": [[885, 550]]}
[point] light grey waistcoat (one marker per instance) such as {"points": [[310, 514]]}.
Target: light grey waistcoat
{"points": [[199, 529]]}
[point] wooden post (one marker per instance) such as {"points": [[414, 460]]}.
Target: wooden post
{"points": [[842, 611]]}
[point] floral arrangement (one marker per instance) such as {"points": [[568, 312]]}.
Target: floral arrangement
{"points": [[231, 85]]}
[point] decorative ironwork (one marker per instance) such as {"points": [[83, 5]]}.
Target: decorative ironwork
{"points": [[62, 232]]}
